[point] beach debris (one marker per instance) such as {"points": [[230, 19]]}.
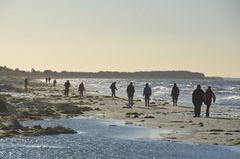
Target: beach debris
{"points": [[12, 124], [214, 133], [56, 95], [3, 105], [149, 117], [200, 124], [113, 125], [81, 103], [67, 108], [133, 115], [91, 100], [216, 130], [128, 122], [37, 127], [126, 107], [84, 109], [14, 128], [172, 138], [74, 96], [165, 103], [38, 131], [57, 130], [228, 133]]}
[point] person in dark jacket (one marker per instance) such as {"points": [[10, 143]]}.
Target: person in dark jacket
{"points": [[81, 88], [130, 93], [175, 94], [147, 92], [208, 98], [67, 85], [49, 79], [25, 83], [197, 99], [113, 89], [54, 83]]}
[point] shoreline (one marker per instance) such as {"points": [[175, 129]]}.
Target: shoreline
{"points": [[45, 101]]}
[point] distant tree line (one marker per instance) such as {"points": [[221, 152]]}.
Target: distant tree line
{"points": [[5, 71]]}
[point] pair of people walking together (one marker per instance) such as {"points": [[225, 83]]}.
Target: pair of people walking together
{"points": [[198, 97]]}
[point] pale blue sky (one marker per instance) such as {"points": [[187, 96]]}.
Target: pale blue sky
{"points": [[121, 35]]}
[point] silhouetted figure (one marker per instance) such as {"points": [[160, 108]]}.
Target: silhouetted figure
{"points": [[113, 89], [67, 86], [197, 99], [54, 82], [209, 96], [147, 92], [25, 83], [130, 93], [49, 79], [46, 79], [175, 94], [81, 89]]}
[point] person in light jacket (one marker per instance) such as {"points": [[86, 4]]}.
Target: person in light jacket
{"points": [[147, 92]]}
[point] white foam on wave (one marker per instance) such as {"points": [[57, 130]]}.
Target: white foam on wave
{"points": [[35, 146], [231, 98]]}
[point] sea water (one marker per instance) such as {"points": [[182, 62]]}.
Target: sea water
{"points": [[100, 139], [227, 91]]}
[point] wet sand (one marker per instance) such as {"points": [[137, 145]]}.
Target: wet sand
{"points": [[42, 101]]}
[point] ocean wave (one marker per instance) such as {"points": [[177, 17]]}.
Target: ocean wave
{"points": [[227, 92], [231, 98]]}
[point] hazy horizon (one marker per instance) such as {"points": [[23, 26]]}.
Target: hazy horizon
{"points": [[121, 35], [59, 71]]}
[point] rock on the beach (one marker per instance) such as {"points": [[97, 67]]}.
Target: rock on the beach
{"points": [[58, 130], [37, 130], [5, 107]]}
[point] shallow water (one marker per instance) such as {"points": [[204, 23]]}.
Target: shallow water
{"points": [[107, 139]]}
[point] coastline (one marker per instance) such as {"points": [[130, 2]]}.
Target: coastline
{"points": [[42, 101]]}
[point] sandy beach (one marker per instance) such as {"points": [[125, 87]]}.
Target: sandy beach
{"points": [[42, 101]]}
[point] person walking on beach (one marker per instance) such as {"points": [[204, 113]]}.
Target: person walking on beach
{"points": [[175, 94], [46, 79], [113, 89], [208, 98], [49, 79], [197, 99], [147, 92], [25, 83], [81, 89], [67, 86], [130, 93], [54, 83]]}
